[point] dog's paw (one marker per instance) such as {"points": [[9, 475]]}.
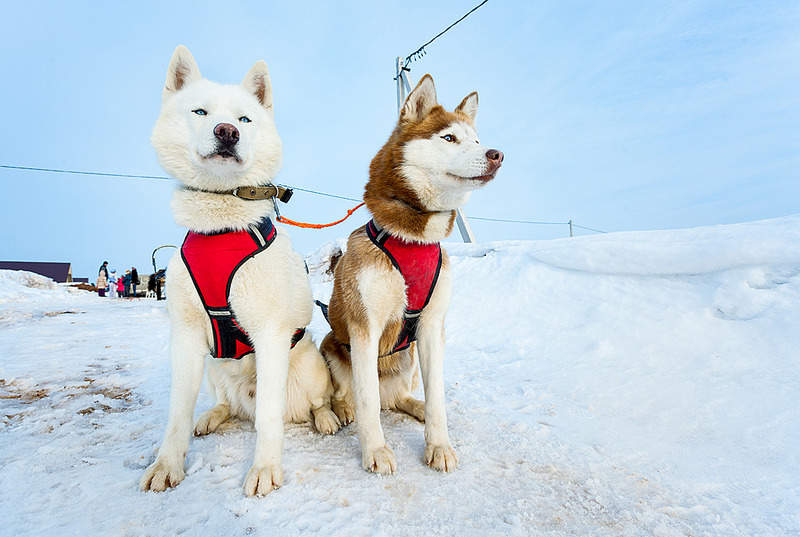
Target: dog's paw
{"points": [[210, 420], [380, 461], [343, 410], [441, 458], [413, 407], [325, 421], [162, 475], [261, 480]]}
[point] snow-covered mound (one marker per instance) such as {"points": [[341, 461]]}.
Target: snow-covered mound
{"points": [[25, 295], [17, 284], [626, 384]]}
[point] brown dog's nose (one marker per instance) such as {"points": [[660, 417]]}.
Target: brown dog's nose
{"points": [[226, 133], [494, 156]]}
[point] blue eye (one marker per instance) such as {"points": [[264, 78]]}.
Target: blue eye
{"points": [[200, 112], [244, 119], [449, 138]]}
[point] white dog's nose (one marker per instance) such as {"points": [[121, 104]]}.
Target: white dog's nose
{"points": [[227, 134]]}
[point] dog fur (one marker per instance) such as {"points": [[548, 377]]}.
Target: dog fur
{"points": [[425, 171], [270, 294]]}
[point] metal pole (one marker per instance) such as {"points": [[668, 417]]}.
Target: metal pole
{"points": [[463, 226], [570, 227], [402, 87], [398, 70]]}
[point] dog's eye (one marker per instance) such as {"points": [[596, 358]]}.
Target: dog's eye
{"points": [[200, 112], [449, 138], [244, 119]]}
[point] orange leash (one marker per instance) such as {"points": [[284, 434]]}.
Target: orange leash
{"points": [[284, 220]]}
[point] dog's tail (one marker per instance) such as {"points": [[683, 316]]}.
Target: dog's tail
{"points": [[334, 351]]}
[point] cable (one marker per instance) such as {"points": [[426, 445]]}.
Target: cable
{"points": [[324, 194], [317, 192], [133, 176], [589, 228], [518, 221], [76, 172], [421, 50], [534, 222]]}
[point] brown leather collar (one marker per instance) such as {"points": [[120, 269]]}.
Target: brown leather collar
{"points": [[253, 193], [417, 209]]}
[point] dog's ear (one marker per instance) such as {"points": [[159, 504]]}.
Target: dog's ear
{"points": [[182, 70], [420, 101], [469, 105], [256, 81]]}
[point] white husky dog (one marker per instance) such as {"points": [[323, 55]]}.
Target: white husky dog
{"points": [[214, 139]]}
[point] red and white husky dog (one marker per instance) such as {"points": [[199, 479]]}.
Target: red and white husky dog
{"points": [[215, 138], [426, 170]]}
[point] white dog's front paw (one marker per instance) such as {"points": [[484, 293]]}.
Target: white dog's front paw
{"points": [[325, 421], [210, 420], [261, 480], [380, 461], [442, 458], [161, 475]]}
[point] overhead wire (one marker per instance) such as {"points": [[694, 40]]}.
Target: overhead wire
{"points": [[79, 172], [421, 50], [160, 177], [301, 189], [589, 228], [518, 221]]}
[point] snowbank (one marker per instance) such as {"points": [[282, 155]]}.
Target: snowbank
{"points": [[25, 295], [16, 284]]}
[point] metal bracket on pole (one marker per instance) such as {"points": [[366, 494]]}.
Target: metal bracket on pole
{"points": [[403, 88]]}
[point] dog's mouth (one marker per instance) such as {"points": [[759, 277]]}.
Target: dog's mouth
{"points": [[224, 154], [480, 178]]}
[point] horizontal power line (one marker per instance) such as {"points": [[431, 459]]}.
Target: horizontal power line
{"points": [[78, 172], [308, 190], [158, 177], [323, 193], [518, 221], [511, 221]]}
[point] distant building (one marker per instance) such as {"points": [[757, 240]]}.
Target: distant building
{"points": [[60, 272]]}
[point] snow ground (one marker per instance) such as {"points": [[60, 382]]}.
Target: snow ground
{"points": [[626, 384]]}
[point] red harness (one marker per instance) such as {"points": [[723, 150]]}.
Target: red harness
{"points": [[212, 260], [420, 265]]}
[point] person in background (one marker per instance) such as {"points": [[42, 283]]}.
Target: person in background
{"points": [[104, 269], [102, 281], [121, 287], [126, 289], [151, 284], [112, 284], [160, 275], [134, 280]]}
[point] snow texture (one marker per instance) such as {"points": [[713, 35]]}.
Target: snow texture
{"points": [[626, 384]]}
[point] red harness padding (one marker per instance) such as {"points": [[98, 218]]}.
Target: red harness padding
{"points": [[212, 259], [420, 265]]}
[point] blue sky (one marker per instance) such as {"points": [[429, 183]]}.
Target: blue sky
{"points": [[619, 115]]}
